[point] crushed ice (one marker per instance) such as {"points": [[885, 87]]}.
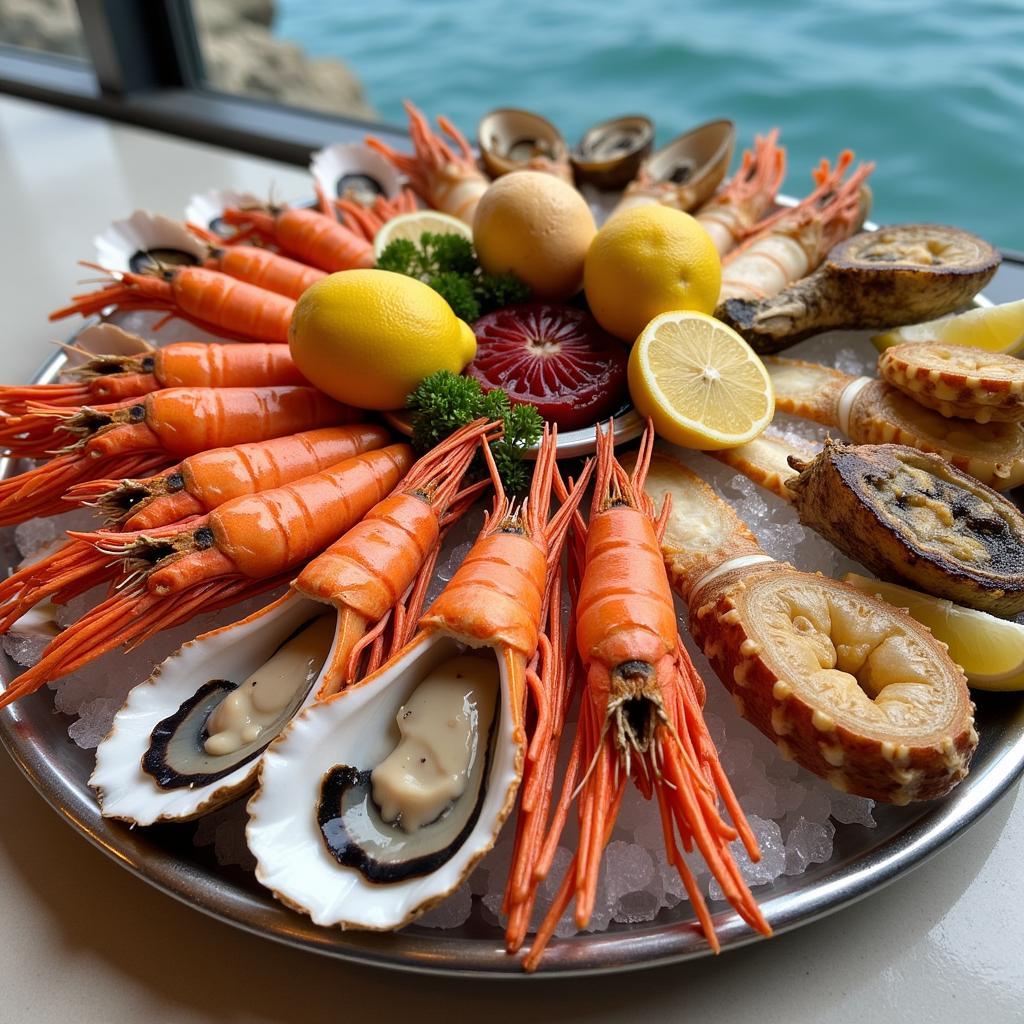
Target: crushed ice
{"points": [[794, 815]]}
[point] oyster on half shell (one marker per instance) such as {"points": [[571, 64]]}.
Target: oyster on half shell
{"points": [[143, 240], [350, 170], [158, 762], [323, 825]]}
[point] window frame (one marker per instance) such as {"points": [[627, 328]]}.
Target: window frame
{"points": [[145, 68]]}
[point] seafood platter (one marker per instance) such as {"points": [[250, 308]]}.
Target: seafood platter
{"points": [[446, 571]]}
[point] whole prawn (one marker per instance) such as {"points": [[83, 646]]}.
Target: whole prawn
{"points": [[207, 298], [446, 178], [29, 425], [733, 211], [245, 546], [195, 486], [793, 242], [140, 436], [640, 712]]}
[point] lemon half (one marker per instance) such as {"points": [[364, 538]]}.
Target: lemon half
{"points": [[700, 382], [990, 649], [992, 328], [412, 226]]}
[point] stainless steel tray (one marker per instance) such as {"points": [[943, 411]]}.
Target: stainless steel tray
{"points": [[863, 860]]}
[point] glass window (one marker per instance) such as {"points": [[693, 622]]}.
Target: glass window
{"points": [[244, 53], [47, 26]]}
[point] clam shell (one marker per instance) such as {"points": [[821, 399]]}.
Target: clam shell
{"points": [[357, 727], [350, 170], [610, 153], [232, 652], [207, 208], [511, 139], [132, 244]]}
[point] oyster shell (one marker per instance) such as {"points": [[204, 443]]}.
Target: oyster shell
{"points": [[207, 208], [969, 383], [143, 240], [517, 140], [152, 766], [610, 153], [886, 278], [321, 843], [351, 170], [685, 172]]}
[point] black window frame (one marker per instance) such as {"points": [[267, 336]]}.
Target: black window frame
{"points": [[145, 68]]}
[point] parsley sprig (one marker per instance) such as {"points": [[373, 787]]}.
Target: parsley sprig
{"points": [[448, 264], [445, 401]]}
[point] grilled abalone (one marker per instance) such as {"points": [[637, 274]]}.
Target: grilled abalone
{"points": [[968, 383], [886, 278]]}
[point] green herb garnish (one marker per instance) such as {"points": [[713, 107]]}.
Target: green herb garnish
{"points": [[445, 401], [448, 264]]}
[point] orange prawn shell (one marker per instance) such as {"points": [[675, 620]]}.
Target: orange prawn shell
{"points": [[196, 363], [625, 610], [496, 596], [371, 567]]}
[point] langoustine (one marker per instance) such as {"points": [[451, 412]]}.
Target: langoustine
{"points": [[28, 424], [195, 486], [417, 833], [793, 242], [446, 178], [733, 212], [871, 411], [140, 436], [907, 515], [190, 737], [851, 688], [640, 711], [244, 547], [207, 298]]}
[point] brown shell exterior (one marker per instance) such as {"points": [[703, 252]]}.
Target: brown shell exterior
{"points": [[957, 380], [852, 761], [863, 500]]}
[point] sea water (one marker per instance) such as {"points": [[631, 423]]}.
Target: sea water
{"points": [[933, 90]]}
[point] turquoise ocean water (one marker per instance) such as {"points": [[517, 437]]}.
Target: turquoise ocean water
{"points": [[932, 90]]}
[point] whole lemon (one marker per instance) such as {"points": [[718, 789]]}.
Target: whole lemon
{"points": [[535, 226], [646, 261], [368, 337]]}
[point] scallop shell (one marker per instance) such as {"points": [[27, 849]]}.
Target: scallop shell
{"points": [[134, 243], [232, 652], [207, 208], [350, 170], [516, 140], [357, 728], [610, 153]]}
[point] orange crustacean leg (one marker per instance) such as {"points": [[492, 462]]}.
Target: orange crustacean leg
{"points": [[245, 546], [640, 713]]}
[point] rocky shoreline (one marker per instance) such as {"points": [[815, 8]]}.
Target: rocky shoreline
{"points": [[240, 52]]}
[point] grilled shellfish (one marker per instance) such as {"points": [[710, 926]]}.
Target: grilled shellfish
{"points": [[907, 515], [886, 278], [850, 687], [872, 411]]}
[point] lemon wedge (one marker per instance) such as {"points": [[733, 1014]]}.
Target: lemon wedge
{"points": [[699, 381], [993, 328], [411, 226], [990, 649]]}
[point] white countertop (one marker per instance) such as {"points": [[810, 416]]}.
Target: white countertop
{"points": [[84, 941]]}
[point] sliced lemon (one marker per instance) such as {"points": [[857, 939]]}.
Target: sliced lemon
{"points": [[993, 328], [699, 381], [411, 226], [990, 649]]}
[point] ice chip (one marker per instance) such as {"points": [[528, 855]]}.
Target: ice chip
{"points": [[808, 842], [853, 810], [628, 868], [451, 912], [25, 648], [94, 722]]}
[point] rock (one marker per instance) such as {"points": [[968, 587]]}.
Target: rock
{"points": [[240, 52]]}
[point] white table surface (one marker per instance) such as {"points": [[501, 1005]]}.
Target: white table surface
{"points": [[81, 940]]}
